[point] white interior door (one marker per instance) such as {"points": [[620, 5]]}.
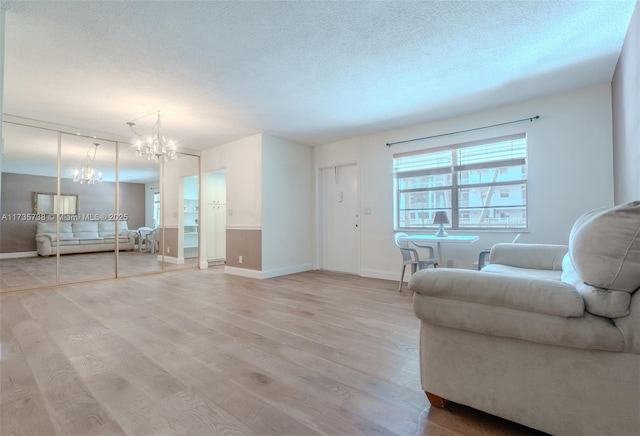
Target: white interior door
{"points": [[216, 194], [340, 220], [216, 232]]}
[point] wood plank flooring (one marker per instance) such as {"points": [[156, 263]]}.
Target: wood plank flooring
{"points": [[38, 271], [198, 352]]}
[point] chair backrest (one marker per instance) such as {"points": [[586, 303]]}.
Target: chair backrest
{"points": [[399, 243], [407, 253]]}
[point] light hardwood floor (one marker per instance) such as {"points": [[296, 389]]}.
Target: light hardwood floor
{"points": [[198, 352], [37, 271]]}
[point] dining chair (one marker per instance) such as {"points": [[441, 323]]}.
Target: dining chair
{"points": [[410, 257], [152, 241], [143, 232]]}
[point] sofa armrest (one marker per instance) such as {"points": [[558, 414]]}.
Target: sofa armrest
{"points": [[528, 294], [44, 238], [532, 256], [132, 233]]}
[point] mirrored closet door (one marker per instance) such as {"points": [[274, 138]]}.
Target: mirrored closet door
{"points": [[139, 208], [27, 197], [78, 208], [181, 212], [87, 232]]}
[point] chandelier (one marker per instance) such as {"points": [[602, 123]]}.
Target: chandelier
{"points": [[87, 174], [156, 147]]}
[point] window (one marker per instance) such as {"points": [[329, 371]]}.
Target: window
{"points": [[481, 185]]}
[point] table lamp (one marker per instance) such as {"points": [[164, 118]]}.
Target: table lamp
{"points": [[442, 219]]}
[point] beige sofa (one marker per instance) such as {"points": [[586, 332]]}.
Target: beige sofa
{"points": [[546, 335], [83, 237]]}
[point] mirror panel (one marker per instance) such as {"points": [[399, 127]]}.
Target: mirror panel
{"points": [[181, 214], [88, 238], [29, 165], [139, 193]]}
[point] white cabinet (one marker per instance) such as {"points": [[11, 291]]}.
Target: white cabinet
{"points": [[216, 231]]}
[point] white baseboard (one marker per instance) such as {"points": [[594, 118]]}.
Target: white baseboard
{"points": [[250, 273], [255, 274], [394, 276], [18, 254], [207, 264], [385, 275], [287, 270], [173, 260]]}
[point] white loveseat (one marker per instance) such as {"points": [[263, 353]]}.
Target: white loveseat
{"points": [[540, 337], [83, 237]]}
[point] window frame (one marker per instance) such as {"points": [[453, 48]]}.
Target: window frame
{"points": [[456, 170]]}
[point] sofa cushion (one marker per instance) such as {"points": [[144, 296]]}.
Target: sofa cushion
{"points": [[604, 246], [550, 274], [85, 229], [88, 241], [66, 242], [602, 302], [112, 240]]}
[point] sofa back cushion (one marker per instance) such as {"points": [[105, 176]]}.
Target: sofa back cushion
{"points": [[49, 228], [604, 250], [85, 229], [604, 246], [106, 229], [601, 302], [123, 228]]}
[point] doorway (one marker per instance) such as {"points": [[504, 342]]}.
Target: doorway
{"points": [[340, 221], [190, 220]]}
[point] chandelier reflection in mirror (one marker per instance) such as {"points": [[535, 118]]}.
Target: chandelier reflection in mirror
{"points": [[87, 173], [156, 147]]}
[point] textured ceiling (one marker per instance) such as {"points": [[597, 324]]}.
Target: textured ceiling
{"points": [[309, 71]]}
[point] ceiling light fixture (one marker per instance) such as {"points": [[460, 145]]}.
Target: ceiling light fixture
{"points": [[87, 173], [156, 147]]}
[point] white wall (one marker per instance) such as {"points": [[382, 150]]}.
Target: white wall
{"points": [[242, 161], [270, 186], [288, 204], [626, 116], [570, 171]]}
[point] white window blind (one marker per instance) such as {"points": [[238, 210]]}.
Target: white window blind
{"points": [[480, 184]]}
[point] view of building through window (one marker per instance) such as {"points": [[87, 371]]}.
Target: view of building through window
{"points": [[481, 185]]}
